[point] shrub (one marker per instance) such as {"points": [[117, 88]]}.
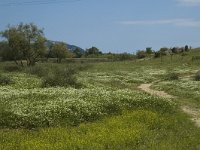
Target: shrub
{"points": [[63, 77], [57, 75], [5, 80], [172, 76], [38, 70], [12, 68], [197, 76]]}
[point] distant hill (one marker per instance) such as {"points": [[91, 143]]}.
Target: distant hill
{"points": [[71, 48]]}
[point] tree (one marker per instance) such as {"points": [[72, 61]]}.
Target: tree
{"points": [[125, 56], [157, 54], [186, 48], [3, 49], [59, 50], [149, 50], [141, 54], [174, 50], [78, 53], [26, 41], [93, 52]]}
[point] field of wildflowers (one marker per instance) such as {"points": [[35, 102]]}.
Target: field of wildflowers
{"points": [[108, 111], [29, 105]]}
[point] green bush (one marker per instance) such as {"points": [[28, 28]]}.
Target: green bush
{"points": [[63, 77], [57, 75], [197, 76], [40, 71], [12, 68], [5, 80], [172, 76]]}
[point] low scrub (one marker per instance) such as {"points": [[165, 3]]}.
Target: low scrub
{"points": [[38, 70], [12, 68], [171, 76], [63, 77], [5, 80], [197, 76], [56, 75]]}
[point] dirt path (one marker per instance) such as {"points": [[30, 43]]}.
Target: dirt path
{"points": [[195, 114], [147, 89]]}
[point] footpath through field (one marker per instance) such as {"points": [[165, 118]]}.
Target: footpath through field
{"points": [[195, 114]]}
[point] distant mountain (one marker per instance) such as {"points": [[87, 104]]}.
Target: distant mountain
{"points": [[71, 48]]}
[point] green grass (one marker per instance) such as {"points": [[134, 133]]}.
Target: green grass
{"points": [[107, 112], [139, 129]]}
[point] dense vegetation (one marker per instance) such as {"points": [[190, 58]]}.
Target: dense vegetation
{"points": [[98, 106]]}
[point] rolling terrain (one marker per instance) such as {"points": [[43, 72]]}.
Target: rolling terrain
{"points": [[106, 109]]}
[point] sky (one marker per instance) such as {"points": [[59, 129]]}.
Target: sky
{"points": [[110, 25]]}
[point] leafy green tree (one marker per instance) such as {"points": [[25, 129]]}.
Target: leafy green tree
{"points": [[93, 52], [125, 56], [149, 50], [26, 41], [186, 48], [59, 50], [157, 54], [3, 50], [15, 42], [78, 53]]}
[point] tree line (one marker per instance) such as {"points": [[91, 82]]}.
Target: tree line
{"points": [[26, 43]]}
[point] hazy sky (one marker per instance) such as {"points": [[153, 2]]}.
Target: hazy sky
{"points": [[110, 25]]}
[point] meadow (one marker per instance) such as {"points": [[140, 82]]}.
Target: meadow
{"points": [[102, 108]]}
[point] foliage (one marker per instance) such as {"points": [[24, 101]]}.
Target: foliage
{"points": [[12, 68], [149, 50], [186, 48], [5, 80], [92, 52], [57, 106], [61, 77], [59, 50], [38, 70], [127, 118], [78, 53], [54, 75], [125, 56], [4, 50], [157, 54], [141, 54], [197, 76], [164, 51], [172, 76], [26, 41]]}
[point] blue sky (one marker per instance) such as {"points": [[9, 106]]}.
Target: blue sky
{"points": [[110, 25]]}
